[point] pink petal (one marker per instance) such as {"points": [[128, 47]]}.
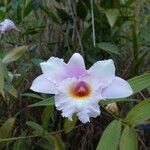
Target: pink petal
{"points": [[119, 88], [42, 85], [103, 70], [77, 66], [55, 69]]}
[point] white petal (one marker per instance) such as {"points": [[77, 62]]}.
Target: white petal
{"points": [[7, 25], [94, 110], [90, 111], [42, 85], [84, 108], [55, 69], [65, 84], [64, 104], [76, 61], [103, 70], [61, 101], [68, 112], [119, 88], [83, 116]]}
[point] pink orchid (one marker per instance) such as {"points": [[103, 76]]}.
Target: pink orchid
{"points": [[78, 90], [6, 26]]}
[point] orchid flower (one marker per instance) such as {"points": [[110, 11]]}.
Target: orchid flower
{"points": [[6, 26], [78, 90]]}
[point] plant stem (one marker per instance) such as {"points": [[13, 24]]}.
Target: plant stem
{"points": [[93, 24]]}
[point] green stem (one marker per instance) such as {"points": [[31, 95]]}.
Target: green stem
{"points": [[34, 136], [30, 136], [93, 24], [18, 138]]}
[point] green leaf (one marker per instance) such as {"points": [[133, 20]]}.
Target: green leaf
{"points": [[11, 90], [20, 145], [1, 78], [59, 145], [110, 136], [108, 101], [47, 142], [27, 9], [51, 14], [2, 13], [46, 115], [36, 4], [139, 83], [23, 76], [69, 125], [32, 95], [139, 113], [128, 139], [127, 2], [81, 9], [36, 127], [6, 128], [14, 54], [112, 15], [63, 15], [108, 47], [46, 102]]}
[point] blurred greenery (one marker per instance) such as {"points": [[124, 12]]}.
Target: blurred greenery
{"points": [[97, 29]]}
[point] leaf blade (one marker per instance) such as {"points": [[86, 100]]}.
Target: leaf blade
{"points": [[139, 113], [14, 54], [139, 83], [112, 15], [7, 127], [46, 102], [128, 139], [108, 47], [110, 136]]}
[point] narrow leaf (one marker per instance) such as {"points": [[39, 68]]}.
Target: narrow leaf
{"points": [[59, 145], [1, 78], [6, 128], [27, 9], [47, 102], [108, 47], [110, 136], [36, 127], [112, 15], [69, 125], [129, 139], [139, 113], [32, 95], [11, 90], [46, 115], [14, 54], [20, 145], [139, 83], [108, 101]]}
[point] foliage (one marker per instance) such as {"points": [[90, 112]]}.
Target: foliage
{"points": [[98, 29]]}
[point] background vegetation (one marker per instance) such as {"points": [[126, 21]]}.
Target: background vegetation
{"points": [[98, 29]]}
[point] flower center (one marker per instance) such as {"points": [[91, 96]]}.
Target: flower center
{"points": [[80, 90]]}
